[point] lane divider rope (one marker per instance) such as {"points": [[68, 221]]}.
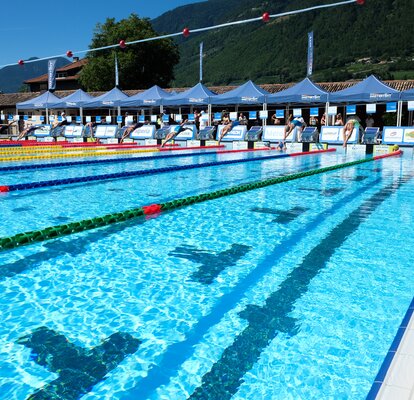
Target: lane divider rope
{"points": [[120, 160], [152, 171], [59, 148], [26, 238], [103, 153]]}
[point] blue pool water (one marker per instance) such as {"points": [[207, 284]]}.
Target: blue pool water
{"points": [[293, 291]]}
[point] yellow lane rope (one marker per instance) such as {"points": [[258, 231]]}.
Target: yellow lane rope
{"points": [[71, 155], [52, 149]]}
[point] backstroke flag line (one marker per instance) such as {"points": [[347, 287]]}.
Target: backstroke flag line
{"points": [[51, 74], [310, 54], [201, 61], [207, 28]]}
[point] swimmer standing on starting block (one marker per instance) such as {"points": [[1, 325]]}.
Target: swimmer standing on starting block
{"points": [[297, 122]]}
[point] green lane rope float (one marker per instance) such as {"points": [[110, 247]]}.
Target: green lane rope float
{"points": [[26, 238]]}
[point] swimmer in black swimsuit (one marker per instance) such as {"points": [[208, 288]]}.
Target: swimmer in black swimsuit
{"points": [[27, 131]]}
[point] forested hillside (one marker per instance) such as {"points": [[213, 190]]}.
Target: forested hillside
{"points": [[351, 41], [12, 77]]}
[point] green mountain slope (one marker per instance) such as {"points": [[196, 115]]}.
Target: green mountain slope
{"points": [[351, 41], [12, 77]]}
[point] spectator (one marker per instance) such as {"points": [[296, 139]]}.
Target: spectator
{"points": [[128, 121], [313, 121], [203, 121], [64, 120], [53, 118], [242, 119], [369, 122], [225, 119], [339, 120], [197, 116], [275, 120], [159, 123]]}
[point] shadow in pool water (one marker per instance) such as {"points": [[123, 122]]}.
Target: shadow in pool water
{"points": [[267, 321], [226, 374], [60, 247], [79, 369], [282, 216], [212, 264]]}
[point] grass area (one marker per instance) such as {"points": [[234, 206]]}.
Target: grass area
{"points": [[403, 74]]}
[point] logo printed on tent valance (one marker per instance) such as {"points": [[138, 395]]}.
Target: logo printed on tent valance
{"points": [[379, 95]]}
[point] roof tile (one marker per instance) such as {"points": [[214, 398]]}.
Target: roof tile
{"points": [[10, 99]]}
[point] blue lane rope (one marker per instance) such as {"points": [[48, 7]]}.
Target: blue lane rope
{"points": [[128, 174], [153, 171]]}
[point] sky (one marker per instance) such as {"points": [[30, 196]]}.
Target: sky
{"points": [[46, 28]]}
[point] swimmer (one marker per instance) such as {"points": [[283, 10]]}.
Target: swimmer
{"points": [[297, 122], [348, 129], [177, 130], [129, 130], [3, 128], [28, 130], [227, 128]]}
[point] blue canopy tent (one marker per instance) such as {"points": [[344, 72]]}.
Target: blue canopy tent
{"points": [[248, 93], [153, 96], [370, 90], [45, 100], [407, 95], [74, 100], [111, 99], [304, 92], [197, 95]]}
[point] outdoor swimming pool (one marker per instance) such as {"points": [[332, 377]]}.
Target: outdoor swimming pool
{"points": [[291, 291]]}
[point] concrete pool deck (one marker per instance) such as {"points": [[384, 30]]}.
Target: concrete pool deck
{"points": [[395, 380]]}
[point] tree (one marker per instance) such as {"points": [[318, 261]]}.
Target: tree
{"points": [[141, 65]]}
